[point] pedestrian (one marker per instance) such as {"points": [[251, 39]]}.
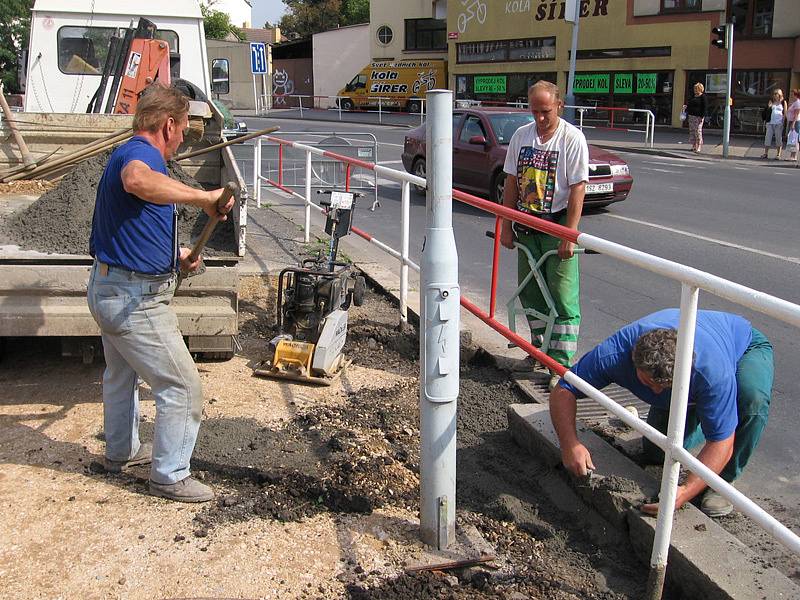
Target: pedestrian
{"points": [[729, 394], [547, 167], [136, 260], [793, 117], [696, 109], [777, 113]]}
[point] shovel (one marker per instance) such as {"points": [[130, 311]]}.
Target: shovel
{"points": [[230, 189]]}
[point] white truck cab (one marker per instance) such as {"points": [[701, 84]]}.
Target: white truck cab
{"points": [[69, 42]]}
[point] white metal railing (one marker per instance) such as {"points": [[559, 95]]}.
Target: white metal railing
{"points": [[650, 120], [692, 280], [381, 105]]}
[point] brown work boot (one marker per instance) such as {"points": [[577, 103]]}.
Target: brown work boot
{"points": [[185, 490], [143, 457], [715, 505]]}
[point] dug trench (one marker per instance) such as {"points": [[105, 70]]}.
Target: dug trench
{"points": [[362, 455]]}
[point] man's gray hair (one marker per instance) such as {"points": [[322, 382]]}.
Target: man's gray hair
{"points": [[654, 353]]}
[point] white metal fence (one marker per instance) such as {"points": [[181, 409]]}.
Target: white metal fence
{"points": [[692, 281]]}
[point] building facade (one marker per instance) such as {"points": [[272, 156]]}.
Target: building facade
{"points": [[338, 55], [631, 53]]}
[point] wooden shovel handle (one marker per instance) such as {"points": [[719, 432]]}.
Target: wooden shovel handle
{"points": [[230, 189]]}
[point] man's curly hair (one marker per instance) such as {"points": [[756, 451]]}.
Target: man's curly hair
{"points": [[654, 353]]}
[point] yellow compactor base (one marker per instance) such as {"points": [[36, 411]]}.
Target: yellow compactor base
{"points": [[292, 361]]}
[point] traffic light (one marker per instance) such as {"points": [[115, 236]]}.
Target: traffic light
{"points": [[722, 39]]}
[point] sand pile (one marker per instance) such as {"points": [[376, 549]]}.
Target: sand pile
{"points": [[60, 221]]}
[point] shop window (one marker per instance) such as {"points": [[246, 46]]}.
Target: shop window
{"points": [[526, 49], [612, 53], [516, 91], [752, 18], [426, 34], [83, 50], [681, 5], [385, 35]]}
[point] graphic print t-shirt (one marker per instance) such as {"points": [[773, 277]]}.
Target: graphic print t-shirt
{"points": [[544, 172]]}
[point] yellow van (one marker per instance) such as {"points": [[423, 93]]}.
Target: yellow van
{"points": [[397, 84]]}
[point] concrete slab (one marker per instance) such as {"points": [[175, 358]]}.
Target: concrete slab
{"points": [[705, 561]]}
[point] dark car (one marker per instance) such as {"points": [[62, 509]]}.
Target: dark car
{"points": [[480, 142]]}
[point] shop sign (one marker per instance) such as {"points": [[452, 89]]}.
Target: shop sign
{"points": [[646, 83], [591, 83], [490, 84], [716, 83], [623, 83]]}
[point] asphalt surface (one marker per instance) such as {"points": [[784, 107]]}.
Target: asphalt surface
{"points": [[735, 219]]}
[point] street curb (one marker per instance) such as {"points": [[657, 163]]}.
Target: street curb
{"points": [[726, 570], [705, 561]]}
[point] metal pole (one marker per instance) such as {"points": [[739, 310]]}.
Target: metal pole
{"points": [[307, 224], [572, 13], [258, 186], [255, 94], [726, 133], [677, 423], [380, 114], [439, 333], [300, 101], [405, 200]]}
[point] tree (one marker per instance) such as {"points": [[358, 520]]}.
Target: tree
{"points": [[15, 27], [307, 17], [218, 24]]}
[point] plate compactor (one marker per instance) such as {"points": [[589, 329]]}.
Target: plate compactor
{"points": [[313, 301]]}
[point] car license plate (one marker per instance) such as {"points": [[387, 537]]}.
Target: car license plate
{"points": [[599, 188]]}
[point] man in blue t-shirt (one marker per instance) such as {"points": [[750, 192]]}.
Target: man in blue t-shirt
{"points": [[729, 393], [135, 246]]}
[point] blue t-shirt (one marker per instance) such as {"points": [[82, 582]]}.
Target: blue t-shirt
{"points": [[129, 232], [720, 341]]}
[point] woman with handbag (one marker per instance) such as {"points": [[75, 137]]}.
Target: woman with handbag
{"points": [[793, 116], [777, 113], [696, 109]]}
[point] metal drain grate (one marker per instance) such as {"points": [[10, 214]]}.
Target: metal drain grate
{"points": [[534, 384]]}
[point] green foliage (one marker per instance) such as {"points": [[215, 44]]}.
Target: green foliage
{"points": [[218, 24], [15, 27], [307, 17]]}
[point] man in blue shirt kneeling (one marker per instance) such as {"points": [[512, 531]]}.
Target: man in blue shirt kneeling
{"points": [[729, 394], [135, 246]]}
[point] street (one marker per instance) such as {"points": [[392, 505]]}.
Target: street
{"points": [[735, 220]]}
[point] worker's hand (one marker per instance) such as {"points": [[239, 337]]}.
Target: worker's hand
{"points": [[652, 508], [212, 210], [577, 460], [566, 250], [188, 266], [507, 235]]}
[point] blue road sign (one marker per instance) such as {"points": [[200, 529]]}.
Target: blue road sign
{"points": [[258, 58]]}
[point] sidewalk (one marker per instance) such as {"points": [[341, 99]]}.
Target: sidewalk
{"points": [[668, 142]]}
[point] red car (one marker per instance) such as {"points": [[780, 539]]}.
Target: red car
{"points": [[480, 142]]}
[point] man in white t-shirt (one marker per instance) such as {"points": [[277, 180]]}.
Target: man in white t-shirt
{"points": [[547, 167]]}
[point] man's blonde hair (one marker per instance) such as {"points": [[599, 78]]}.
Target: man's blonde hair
{"points": [[546, 86], [156, 105]]}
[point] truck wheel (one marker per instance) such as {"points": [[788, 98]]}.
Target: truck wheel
{"points": [[498, 185], [418, 169], [414, 106], [347, 104]]}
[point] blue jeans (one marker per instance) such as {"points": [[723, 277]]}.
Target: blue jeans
{"points": [[141, 339]]}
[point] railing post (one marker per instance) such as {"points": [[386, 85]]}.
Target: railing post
{"points": [[652, 128], [495, 266], [257, 171], [380, 114], [300, 103], [405, 212], [581, 111], [677, 424], [422, 111], [280, 164], [307, 223], [439, 333]]}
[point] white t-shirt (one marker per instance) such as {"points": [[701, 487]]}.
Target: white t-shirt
{"points": [[777, 114], [544, 172]]}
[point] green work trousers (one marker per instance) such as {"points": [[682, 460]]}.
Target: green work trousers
{"points": [[754, 374], [562, 278]]}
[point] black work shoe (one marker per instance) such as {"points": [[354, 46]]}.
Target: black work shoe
{"points": [[143, 457], [185, 490]]}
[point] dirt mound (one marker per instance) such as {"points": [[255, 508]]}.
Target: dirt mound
{"points": [[60, 221]]}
